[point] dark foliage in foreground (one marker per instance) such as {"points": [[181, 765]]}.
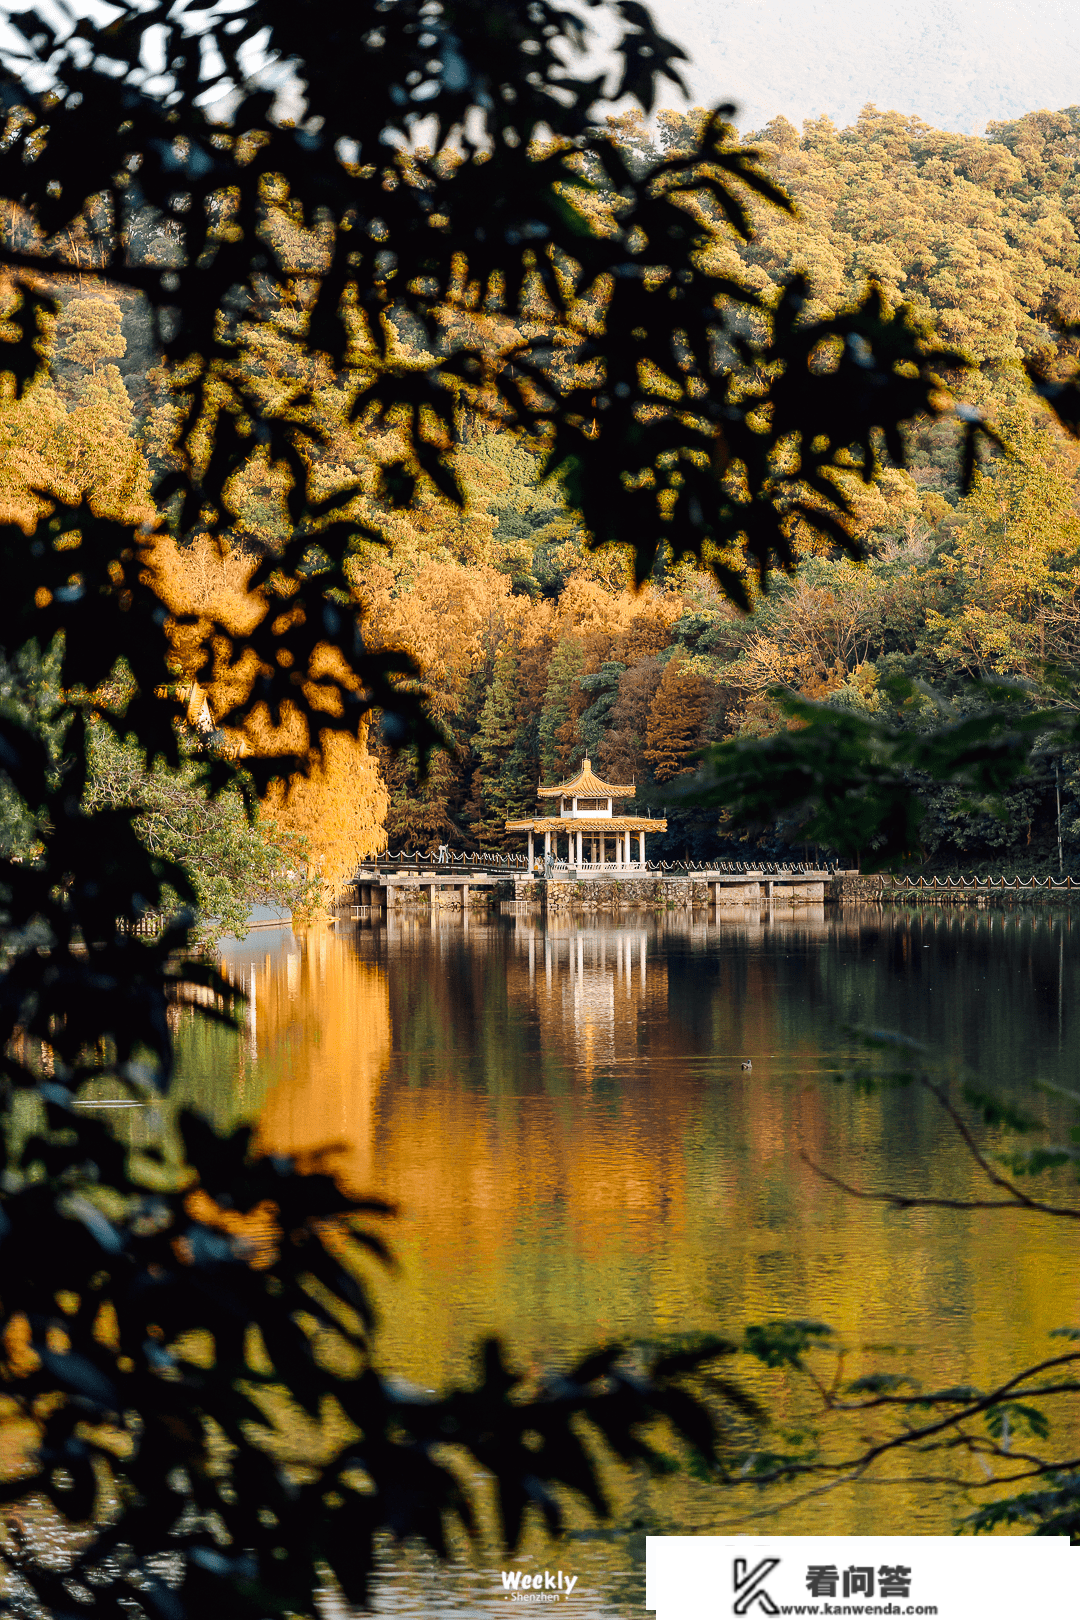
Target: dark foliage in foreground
{"points": [[1009, 1449], [543, 283], [857, 782], [197, 1362], [167, 1318]]}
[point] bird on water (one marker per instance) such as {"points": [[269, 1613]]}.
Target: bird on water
{"points": [[747, 1064]]}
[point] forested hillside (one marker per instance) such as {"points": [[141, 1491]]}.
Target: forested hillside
{"points": [[536, 650]]}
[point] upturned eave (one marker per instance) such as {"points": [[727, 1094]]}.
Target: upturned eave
{"points": [[587, 785], [589, 824]]}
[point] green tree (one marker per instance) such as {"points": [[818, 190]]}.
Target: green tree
{"points": [[604, 684], [560, 741], [424, 810], [234, 860], [501, 743]]}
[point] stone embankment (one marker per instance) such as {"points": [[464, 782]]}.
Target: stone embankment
{"points": [[935, 891], [668, 891], [676, 891], [854, 886], [610, 894]]}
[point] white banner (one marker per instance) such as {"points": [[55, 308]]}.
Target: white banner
{"points": [[953, 1578]]}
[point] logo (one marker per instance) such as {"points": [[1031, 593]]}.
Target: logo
{"points": [[750, 1588], [543, 1587]]}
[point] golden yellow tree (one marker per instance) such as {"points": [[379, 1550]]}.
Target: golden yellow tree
{"points": [[89, 330], [1011, 573], [676, 717], [340, 806], [77, 440]]}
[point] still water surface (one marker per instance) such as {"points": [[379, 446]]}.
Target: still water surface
{"points": [[560, 1111]]}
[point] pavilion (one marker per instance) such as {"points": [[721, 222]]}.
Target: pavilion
{"points": [[587, 819]]}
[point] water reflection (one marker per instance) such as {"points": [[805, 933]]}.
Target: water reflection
{"points": [[561, 1113]]}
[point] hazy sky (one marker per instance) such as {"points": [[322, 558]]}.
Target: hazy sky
{"points": [[955, 63]]}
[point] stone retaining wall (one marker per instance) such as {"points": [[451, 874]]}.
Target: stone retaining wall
{"points": [[880, 888], [603, 894], [608, 894], [407, 896], [856, 886]]}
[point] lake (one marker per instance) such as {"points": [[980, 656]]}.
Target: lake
{"points": [[560, 1111]]}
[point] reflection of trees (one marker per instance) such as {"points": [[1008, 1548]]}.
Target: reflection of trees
{"points": [[610, 1175], [580, 1154], [307, 1063], [324, 1027]]}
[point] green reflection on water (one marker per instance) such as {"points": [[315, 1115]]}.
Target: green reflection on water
{"points": [[561, 1113]]}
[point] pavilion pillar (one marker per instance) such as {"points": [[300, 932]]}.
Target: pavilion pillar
{"points": [[530, 849], [619, 851], [547, 845], [641, 848], [579, 846]]}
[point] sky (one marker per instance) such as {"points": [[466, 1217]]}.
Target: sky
{"points": [[957, 64]]}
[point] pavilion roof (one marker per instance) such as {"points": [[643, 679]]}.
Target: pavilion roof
{"points": [[586, 785], [589, 824]]}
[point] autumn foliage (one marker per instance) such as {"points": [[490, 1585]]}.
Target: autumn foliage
{"points": [[339, 806]]}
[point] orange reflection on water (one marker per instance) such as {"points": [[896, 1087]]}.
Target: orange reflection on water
{"points": [[319, 1029], [561, 1113]]}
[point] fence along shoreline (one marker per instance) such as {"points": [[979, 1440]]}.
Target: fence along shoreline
{"points": [[905, 888]]}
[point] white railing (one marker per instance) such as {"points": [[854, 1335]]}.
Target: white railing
{"points": [[445, 859], [981, 885], [607, 866]]}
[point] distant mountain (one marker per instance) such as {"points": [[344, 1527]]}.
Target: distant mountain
{"points": [[954, 63]]}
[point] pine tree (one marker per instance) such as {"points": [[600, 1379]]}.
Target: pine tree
{"points": [[559, 735], [497, 731], [423, 814], [622, 747], [676, 718], [88, 331], [505, 775], [597, 717]]}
